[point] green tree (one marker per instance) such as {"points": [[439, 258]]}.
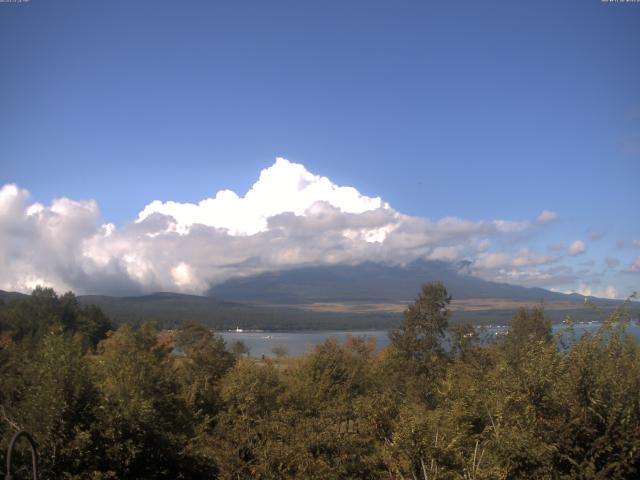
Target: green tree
{"points": [[92, 325], [251, 394], [144, 422], [48, 391], [205, 362], [599, 432], [416, 358], [33, 317], [529, 325], [239, 349]]}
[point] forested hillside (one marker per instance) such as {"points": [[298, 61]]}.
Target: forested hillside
{"points": [[365, 296], [171, 309], [157, 404]]}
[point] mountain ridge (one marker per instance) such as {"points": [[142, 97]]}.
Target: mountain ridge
{"points": [[372, 282], [367, 295]]}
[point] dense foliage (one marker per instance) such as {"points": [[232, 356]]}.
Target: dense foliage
{"points": [[150, 403]]}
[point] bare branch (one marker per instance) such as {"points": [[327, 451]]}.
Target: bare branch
{"points": [[11, 423]]}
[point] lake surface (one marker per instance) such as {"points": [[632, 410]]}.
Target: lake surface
{"points": [[298, 342]]}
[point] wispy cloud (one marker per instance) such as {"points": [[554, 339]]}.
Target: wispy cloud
{"points": [[577, 248], [612, 262], [624, 244], [634, 267], [595, 235], [610, 292], [547, 216]]}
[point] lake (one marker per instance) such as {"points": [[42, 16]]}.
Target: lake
{"points": [[298, 342]]}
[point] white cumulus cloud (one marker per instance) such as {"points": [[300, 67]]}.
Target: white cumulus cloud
{"points": [[284, 187], [289, 217], [576, 248], [547, 216]]}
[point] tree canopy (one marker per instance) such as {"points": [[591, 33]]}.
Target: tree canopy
{"points": [[437, 403]]}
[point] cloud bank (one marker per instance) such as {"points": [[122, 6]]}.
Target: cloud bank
{"points": [[290, 217]]}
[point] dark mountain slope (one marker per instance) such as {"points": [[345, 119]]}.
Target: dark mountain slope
{"points": [[10, 296], [372, 283], [368, 295]]}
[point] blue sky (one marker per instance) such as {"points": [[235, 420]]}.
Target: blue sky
{"points": [[474, 110]]}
